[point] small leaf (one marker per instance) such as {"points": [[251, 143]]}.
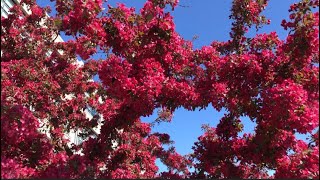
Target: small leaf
{"points": [[149, 17], [58, 22]]}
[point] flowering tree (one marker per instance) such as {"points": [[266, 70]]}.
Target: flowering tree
{"points": [[148, 66]]}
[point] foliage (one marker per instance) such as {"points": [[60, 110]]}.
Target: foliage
{"points": [[45, 93]]}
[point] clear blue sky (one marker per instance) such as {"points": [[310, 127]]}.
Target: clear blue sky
{"points": [[207, 19]]}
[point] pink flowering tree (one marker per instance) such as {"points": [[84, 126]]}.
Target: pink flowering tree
{"points": [[149, 66]]}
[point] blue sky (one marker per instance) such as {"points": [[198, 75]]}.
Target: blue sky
{"points": [[208, 19]]}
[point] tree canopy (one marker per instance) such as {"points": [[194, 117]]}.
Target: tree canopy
{"points": [[148, 65]]}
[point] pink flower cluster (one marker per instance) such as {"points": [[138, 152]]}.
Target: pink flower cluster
{"points": [[148, 66]]}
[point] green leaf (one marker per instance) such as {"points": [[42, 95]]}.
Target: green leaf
{"points": [[58, 22], [149, 17]]}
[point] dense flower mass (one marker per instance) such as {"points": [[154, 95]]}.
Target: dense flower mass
{"points": [[46, 93]]}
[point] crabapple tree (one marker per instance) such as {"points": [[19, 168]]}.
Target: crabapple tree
{"points": [[148, 65]]}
